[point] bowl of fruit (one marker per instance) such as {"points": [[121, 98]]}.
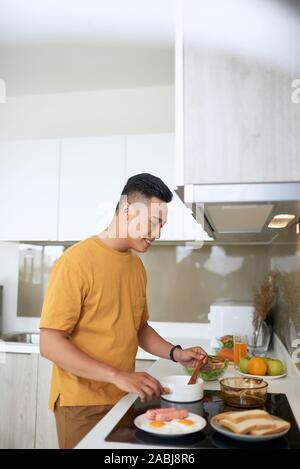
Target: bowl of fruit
{"points": [[213, 370], [262, 367]]}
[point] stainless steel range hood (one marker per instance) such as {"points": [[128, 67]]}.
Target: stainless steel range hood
{"points": [[242, 212]]}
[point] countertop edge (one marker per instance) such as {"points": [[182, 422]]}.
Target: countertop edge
{"points": [[191, 330]]}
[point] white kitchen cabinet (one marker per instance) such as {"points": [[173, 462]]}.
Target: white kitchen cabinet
{"points": [[67, 190], [18, 386], [29, 175], [25, 419], [155, 154], [92, 177], [45, 435], [238, 120], [240, 123]]}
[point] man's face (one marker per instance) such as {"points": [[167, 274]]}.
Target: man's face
{"points": [[145, 220]]}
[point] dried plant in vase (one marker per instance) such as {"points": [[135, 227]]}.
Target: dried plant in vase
{"points": [[264, 298], [288, 319]]}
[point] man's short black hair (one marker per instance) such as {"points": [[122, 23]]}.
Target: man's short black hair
{"points": [[147, 185]]}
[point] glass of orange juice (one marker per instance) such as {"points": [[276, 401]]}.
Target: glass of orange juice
{"points": [[240, 348]]}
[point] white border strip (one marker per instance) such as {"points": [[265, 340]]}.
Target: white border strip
{"points": [[179, 127]]}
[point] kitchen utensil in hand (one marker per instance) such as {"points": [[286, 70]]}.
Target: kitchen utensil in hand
{"points": [[194, 377]]}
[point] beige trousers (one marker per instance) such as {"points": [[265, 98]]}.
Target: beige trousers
{"points": [[74, 422]]}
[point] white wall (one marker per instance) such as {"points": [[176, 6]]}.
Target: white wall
{"points": [[104, 112]]}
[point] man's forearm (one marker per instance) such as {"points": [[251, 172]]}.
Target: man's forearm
{"points": [[61, 351], [153, 343]]}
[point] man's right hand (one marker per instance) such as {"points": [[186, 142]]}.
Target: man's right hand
{"points": [[140, 383]]}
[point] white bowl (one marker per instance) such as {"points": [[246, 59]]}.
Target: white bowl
{"points": [[180, 391]]}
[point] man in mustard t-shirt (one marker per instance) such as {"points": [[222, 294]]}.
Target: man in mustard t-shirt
{"points": [[95, 315]]}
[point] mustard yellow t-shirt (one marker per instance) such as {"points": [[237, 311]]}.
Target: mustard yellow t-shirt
{"points": [[97, 295]]}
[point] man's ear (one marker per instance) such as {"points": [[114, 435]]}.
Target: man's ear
{"points": [[125, 209]]}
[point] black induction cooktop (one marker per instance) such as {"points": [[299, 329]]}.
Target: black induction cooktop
{"points": [[212, 404]]}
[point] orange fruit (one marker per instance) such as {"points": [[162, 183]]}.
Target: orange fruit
{"points": [[257, 366]]}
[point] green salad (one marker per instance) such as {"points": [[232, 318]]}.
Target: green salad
{"points": [[213, 370]]}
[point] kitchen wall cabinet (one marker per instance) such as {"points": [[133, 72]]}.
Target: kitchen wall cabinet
{"points": [[239, 123], [91, 180], [67, 190], [155, 154], [29, 175], [18, 397], [94, 171]]}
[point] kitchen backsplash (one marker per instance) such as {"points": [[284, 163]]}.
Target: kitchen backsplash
{"points": [[35, 263], [182, 283], [285, 263]]}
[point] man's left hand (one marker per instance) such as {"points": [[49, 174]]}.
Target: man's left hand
{"points": [[190, 357]]}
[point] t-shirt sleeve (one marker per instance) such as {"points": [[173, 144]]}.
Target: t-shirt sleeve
{"points": [[64, 297], [145, 315]]}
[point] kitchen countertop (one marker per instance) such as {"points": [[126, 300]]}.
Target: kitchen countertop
{"points": [[191, 330], [290, 385]]}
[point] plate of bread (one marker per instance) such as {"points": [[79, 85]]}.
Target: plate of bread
{"points": [[250, 425]]}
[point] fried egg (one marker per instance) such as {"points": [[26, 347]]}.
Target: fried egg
{"points": [[186, 425], [156, 424], [186, 421], [172, 427], [167, 428]]}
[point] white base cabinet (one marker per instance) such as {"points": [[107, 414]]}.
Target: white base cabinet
{"points": [[46, 436], [25, 419], [18, 398]]}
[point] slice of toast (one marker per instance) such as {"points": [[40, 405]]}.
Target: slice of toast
{"points": [[241, 416], [246, 426], [280, 426]]}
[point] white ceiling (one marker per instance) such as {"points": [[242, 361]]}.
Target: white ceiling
{"points": [[53, 46], [49, 46], [23, 21]]}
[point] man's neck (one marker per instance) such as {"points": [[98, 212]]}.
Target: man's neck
{"points": [[113, 240]]}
